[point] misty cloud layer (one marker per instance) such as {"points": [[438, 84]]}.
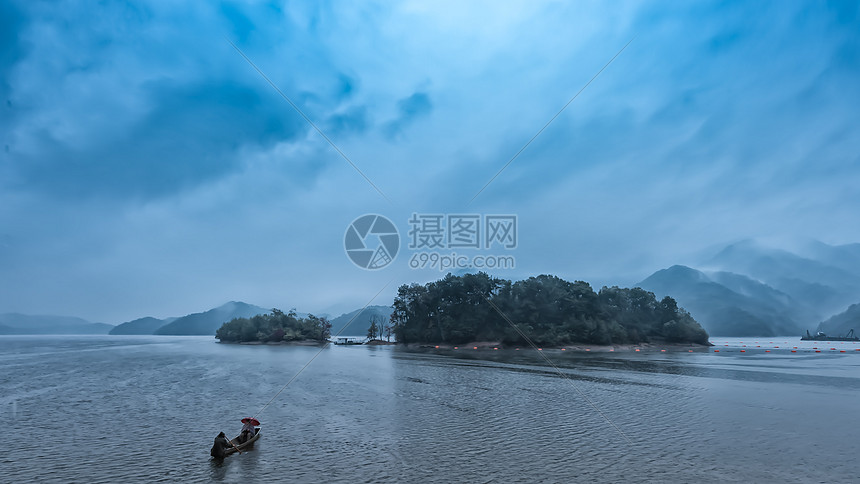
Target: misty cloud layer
{"points": [[147, 169]]}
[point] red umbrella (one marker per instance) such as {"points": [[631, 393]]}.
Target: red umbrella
{"points": [[252, 420]]}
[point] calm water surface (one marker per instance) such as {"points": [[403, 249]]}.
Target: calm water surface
{"points": [[146, 409]]}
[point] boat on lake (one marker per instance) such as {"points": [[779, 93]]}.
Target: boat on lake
{"points": [[819, 336], [243, 445]]}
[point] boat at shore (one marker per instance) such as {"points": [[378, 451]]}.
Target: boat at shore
{"points": [[348, 340], [243, 445], [819, 336]]}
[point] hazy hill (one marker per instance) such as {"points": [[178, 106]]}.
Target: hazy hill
{"points": [[359, 325], [147, 325], [822, 286], [843, 322], [846, 257], [206, 323], [15, 323], [734, 306]]}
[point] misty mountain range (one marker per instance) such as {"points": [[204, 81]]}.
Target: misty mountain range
{"points": [[196, 324], [744, 289], [14, 323], [747, 289]]}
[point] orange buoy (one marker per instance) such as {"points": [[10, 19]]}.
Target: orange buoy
{"points": [[743, 351]]}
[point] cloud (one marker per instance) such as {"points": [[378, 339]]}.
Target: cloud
{"points": [[409, 109], [144, 149], [190, 134]]}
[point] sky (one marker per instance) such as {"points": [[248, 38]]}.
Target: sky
{"points": [[148, 169]]}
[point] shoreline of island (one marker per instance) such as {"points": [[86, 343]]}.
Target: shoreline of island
{"points": [[653, 346]]}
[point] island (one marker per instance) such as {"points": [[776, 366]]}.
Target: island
{"points": [[276, 327], [545, 310]]}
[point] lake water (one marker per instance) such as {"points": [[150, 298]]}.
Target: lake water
{"points": [[146, 409]]}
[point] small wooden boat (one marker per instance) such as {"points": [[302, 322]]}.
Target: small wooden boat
{"points": [[243, 445]]}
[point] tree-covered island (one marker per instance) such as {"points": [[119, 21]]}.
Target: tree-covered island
{"points": [[548, 310], [276, 327]]}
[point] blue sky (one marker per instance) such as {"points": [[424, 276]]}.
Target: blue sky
{"points": [[147, 169]]}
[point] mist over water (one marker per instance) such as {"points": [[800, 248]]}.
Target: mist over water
{"points": [[115, 409]]}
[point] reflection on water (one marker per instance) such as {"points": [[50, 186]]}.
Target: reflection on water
{"points": [[110, 409]]}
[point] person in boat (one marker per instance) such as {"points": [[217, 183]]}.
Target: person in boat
{"points": [[220, 446], [247, 429]]}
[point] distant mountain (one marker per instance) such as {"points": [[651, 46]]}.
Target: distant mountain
{"points": [[846, 257], [146, 325], [359, 325], [208, 322], [843, 322], [727, 304], [820, 285], [15, 323]]}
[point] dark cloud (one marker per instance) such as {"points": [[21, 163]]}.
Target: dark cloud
{"points": [[242, 26], [192, 134], [12, 23], [409, 109], [353, 121], [346, 87]]}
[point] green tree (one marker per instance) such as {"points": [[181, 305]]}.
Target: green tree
{"points": [[372, 330]]}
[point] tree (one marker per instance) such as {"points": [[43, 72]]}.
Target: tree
{"points": [[547, 309], [276, 326], [377, 323]]}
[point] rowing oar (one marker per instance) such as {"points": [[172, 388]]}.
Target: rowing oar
{"points": [[234, 445]]}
